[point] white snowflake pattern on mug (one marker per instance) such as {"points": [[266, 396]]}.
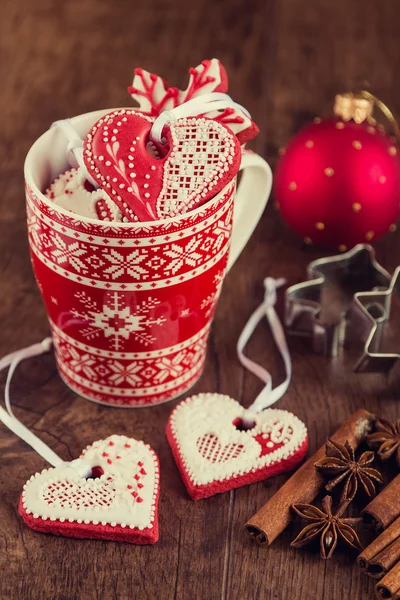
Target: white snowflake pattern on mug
{"points": [[117, 320]]}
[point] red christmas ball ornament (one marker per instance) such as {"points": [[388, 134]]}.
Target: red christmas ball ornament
{"points": [[338, 181]]}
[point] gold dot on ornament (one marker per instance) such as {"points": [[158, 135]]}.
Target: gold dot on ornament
{"points": [[276, 205], [320, 226], [308, 240], [329, 172], [317, 120], [371, 130], [342, 248], [309, 144], [292, 186], [393, 228], [382, 179], [392, 151], [282, 151], [339, 125], [357, 145], [369, 236], [356, 207]]}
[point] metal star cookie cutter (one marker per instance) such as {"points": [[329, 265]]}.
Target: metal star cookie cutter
{"points": [[350, 289], [371, 310]]}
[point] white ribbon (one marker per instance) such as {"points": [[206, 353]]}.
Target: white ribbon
{"points": [[192, 108], [74, 148], [10, 420], [268, 395]]}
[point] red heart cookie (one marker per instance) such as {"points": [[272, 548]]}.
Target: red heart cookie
{"points": [[120, 503], [200, 157], [215, 454]]}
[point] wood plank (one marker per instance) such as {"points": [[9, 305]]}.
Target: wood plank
{"points": [[320, 48], [285, 60]]}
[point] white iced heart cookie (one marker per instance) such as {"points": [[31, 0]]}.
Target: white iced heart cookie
{"points": [[71, 191], [215, 454], [119, 502]]}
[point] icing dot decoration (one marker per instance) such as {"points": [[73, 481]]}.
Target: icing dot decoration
{"points": [[202, 156], [61, 501], [213, 455], [72, 192]]}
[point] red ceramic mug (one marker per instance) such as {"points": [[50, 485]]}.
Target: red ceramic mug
{"points": [[130, 305]]}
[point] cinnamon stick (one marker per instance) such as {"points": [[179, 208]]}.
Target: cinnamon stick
{"points": [[380, 556], [385, 507], [389, 587], [304, 485]]}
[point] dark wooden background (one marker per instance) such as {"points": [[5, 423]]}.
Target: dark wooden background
{"points": [[286, 59]]}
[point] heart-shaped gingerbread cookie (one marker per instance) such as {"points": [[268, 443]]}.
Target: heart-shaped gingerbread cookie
{"points": [[215, 454], [119, 502], [199, 158]]}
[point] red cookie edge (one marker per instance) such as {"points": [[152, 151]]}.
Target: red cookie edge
{"points": [[94, 532]]}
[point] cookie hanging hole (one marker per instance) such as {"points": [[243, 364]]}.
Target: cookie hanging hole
{"points": [[96, 473], [155, 149], [88, 186], [243, 424]]}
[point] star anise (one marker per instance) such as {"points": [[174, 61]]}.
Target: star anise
{"points": [[386, 439], [341, 464], [327, 526]]}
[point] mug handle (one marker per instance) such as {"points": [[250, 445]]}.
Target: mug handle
{"points": [[250, 201]]}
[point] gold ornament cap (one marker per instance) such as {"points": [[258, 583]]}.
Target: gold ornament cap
{"points": [[360, 106], [353, 106]]}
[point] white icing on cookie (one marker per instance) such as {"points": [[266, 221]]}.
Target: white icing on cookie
{"points": [[72, 192], [125, 494], [213, 449]]}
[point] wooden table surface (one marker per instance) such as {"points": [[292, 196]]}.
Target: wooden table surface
{"points": [[286, 60]]}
